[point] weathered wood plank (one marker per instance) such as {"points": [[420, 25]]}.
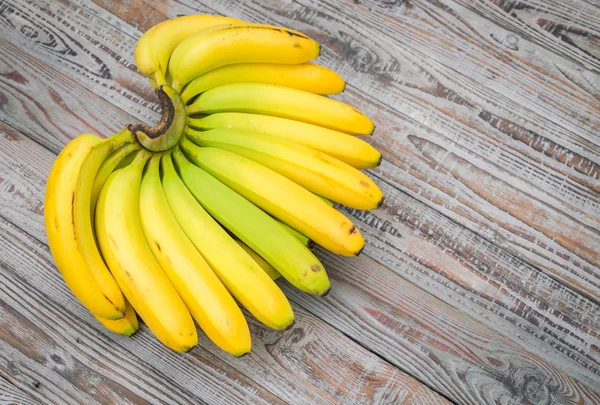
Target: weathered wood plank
{"points": [[541, 314], [11, 395], [451, 37], [432, 353], [312, 361], [507, 239], [540, 158], [571, 29], [433, 341], [69, 39]]}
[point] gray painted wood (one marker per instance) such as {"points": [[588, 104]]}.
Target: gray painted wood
{"points": [[23, 207], [446, 127], [47, 337], [11, 395], [489, 122]]}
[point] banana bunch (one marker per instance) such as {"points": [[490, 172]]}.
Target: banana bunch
{"points": [[186, 221]]}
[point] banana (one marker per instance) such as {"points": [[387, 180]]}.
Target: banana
{"points": [[68, 224], [154, 48], [313, 170], [307, 76], [127, 325], [255, 228], [227, 44], [246, 281], [280, 197], [349, 149], [113, 161], [269, 99], [131, 261], [205, 296], [302, 238], [270, 270]]}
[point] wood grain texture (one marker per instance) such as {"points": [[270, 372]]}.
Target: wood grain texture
{"points": [[425, 96], [367, 300], [312, 361], [524, 319], [11, 395], [540, 195], [569, 28], [516, 146], [415, 158], [434, 342]]}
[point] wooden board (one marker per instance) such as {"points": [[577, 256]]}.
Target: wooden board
{"points": [[11, 395], [23, 207], [47, 338], [541, 172], [491, 178], [510, 306]]}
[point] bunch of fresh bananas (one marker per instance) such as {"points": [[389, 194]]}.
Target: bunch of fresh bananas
{"points": [[230, 190]]}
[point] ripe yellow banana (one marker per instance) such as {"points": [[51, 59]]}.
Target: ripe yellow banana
{"points": [[124, 246], [127, 325], [207, 299], [154, 48], [68, 223], [349, 149], [246, 281], [311, 169], [237, 43], [270, 270], [306, 76], [279, 101], [280, 197], [255, 228], [113, 161]]}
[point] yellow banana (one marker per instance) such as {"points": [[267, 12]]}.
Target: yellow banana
{"points": [[270, 270], [255, 228], [227, 44], [113, 161], [205, 296], [154, 48], [69, 227], [131, 261], [127, 325], [306, 76], [349, 149], [311, 169], [280, 197], [279, 101], [246, 281]]}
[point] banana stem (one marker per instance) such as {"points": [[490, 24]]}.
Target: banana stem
{"points": [[168, 131]]}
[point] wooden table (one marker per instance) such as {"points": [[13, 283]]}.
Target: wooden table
{"points": [[480, 282]]}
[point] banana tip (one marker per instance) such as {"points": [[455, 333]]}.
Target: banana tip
{"points": [[326, 293], [310, 244], [290, 325], [380, 203], [359, 251], [380, 160]]}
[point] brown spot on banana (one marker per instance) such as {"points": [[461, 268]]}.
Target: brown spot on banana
{"points": [[316, 268]]}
